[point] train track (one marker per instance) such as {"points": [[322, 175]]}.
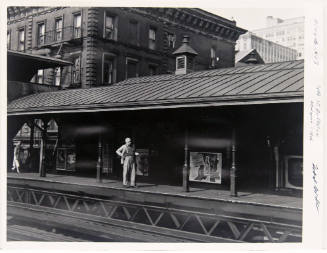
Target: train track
{"points": [[132, 221]]}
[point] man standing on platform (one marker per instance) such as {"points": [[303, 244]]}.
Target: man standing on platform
{"points": [[127, 154], [16, 163]]}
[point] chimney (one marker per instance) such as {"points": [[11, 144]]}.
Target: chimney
{"points": [[185, 55]]}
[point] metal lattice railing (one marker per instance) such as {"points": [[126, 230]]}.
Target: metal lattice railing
{"points": [[235, 228]]}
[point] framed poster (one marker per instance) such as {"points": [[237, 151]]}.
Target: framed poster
{"points": [[205, 167], [142, 162], [294, 172], [66, 159]]}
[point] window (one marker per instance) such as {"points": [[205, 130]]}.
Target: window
{"points": [[152, 69], [21, 39], [133, 32], [77, 25], [180, 62], [131, 68], [8, 39], [76, 70], [40, 33], [58, 32], [171, 40], [212, 57], [109, 69], [110, 27], [57, 76], [152, 38], [40, 76]]}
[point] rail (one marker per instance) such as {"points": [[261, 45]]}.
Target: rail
{"points": [[67, 33]]}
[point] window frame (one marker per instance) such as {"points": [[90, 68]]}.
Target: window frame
{"points": [[38, 76], [61, 29], [73, 69], [213, 55], [113, 57], [130, 59], [152, 41], [39, 36], [21, 29], [137, 39], [169, 34], [155, 66], [8, 39], [56, 76], [75, 28], [114, 26]]}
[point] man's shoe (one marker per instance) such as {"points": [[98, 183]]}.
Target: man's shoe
{"points": [[134, 186]]}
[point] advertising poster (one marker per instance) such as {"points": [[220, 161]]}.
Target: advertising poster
{"points": [[142, 162], [66, 159], [205, 167]]}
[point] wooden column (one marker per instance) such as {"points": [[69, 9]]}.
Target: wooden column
{"points": [[31, 137], [276, 158], [59, 124], [42, 168], [233, 171], [31, 153], [100, 160], [186, 167]]}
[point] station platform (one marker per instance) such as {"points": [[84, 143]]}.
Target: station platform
{"points": [[114, 188]]}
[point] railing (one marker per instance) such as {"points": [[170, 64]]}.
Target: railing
{"points": [[60, 35], [236, 228]]}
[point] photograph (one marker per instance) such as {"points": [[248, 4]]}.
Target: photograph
{"points": [[155, 124]]}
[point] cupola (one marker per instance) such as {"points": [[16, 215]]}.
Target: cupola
{"points": [[185, 55]]}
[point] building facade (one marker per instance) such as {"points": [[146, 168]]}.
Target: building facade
{"points": [[108, 45], [268, 50], [287, 32]]}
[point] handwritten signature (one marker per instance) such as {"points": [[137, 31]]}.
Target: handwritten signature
{"points": [[315, 186]]}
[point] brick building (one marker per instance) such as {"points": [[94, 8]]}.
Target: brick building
{"points": [[108, 45]]}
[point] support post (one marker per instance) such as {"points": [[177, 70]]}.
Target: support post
{"points": [[276, 158], [31, 153], [233, 171], [42, 168], [59, 124], [186, 167], [31, 137], [100, 160]]}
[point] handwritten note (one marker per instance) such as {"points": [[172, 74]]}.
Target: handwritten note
{"points": [[315, 106], [315, 101]]}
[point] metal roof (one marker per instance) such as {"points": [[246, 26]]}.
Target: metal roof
{"points": [[42, 61], [23, 66], [265, 83]]}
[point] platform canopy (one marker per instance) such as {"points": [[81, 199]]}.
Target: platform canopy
{"points": [[255, 84], [23, 66]]}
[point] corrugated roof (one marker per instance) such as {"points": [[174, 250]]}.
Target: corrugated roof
{"points": [[264, 83]]}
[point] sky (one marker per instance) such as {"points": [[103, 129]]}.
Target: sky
{"points": [[251, 19]]}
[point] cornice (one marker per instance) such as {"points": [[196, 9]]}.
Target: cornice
{"points": [[187, 19], [27, 13]]}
